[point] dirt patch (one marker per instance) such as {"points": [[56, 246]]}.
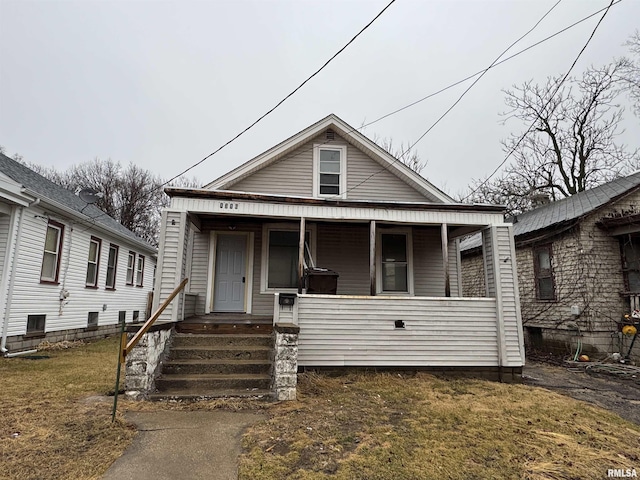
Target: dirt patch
{"points": [[619, 395]]}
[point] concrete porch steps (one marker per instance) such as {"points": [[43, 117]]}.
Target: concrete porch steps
{"points": [[216, 365]]}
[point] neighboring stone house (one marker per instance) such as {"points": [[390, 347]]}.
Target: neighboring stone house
{"points": [[578, 262]]}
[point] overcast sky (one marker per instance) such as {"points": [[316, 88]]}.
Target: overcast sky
{"points": [[164, 83]]}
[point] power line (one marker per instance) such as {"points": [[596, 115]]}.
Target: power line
{"points": [[524, 135], [459, 99], [584, 19], [284, 99], [481, 72], [276, 105]]}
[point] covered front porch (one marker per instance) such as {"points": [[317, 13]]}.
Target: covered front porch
{"points": [[398, 298]]}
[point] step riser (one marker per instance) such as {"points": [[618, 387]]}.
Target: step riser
{"points": [[226, 340], [226, 369], [204, 328], [219, 384], [193, 354]]}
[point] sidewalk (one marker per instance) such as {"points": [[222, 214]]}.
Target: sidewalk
{"points": [[184, 445]]}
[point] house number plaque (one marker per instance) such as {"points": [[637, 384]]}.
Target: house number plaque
{"points": [[229, 206]]}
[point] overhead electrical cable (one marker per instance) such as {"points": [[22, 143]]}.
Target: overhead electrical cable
{"points": [[458, 100], [564, 78]]}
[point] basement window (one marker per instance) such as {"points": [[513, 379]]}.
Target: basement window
{"points": [[35, 325], [92, 320], [136, 315], [543, 270]]}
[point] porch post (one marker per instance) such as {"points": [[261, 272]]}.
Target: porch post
{"points": [[372, 257], [301, 256], [445, 259]]}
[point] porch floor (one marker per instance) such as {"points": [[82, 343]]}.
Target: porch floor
{"points": [[226, 323]]}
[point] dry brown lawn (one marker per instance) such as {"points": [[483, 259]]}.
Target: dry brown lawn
{"points": [[365, 426], [47, 428], [390, 426]]}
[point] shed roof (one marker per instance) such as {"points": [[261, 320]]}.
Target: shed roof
{"points": [[567, 209], [50, 192]]}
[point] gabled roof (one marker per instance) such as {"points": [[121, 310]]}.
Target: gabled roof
{"points": [[352, 136], [53, 194], [566, 210]]}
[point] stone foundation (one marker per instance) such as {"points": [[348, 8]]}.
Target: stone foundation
{"points": [[595, 344], [18, 343], [144, 362], [285, 361]]}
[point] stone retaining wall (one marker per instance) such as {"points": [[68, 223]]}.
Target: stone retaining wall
{"points": [[144, 362], [285, 361]]}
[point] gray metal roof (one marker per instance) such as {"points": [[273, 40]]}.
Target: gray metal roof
{"points": [[48, 190], [564, 210]]}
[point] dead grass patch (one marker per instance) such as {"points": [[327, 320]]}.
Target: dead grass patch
{"points": [[390, 426], [47, 431]]}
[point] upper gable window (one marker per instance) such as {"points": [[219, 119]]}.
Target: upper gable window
{"points": [[329, 171]]}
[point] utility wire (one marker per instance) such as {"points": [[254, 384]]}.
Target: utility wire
{"points": [[459, 99], [284, 99], [425, 97], [564, 78]]}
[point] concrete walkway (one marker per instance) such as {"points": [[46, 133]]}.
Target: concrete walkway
{"points": [[184, 445]]}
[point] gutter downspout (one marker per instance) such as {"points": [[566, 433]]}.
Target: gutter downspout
{"points": [[15, 232]]}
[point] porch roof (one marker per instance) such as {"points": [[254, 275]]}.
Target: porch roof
{"points": [[228, 195], [231, 203]]}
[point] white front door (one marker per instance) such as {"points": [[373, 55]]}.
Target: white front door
{"points": [[230, 281]]}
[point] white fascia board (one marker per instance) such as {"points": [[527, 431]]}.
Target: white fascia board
{"points": [[13, 192], [205, 206]]}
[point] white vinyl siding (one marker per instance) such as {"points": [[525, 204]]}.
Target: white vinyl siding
{"points": [[344, 248], [5, 220], [293, 175], [199, 269], [361, 332], [31, 297]]}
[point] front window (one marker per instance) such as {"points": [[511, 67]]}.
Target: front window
{"points": [[394, 262], [93, 262], [281, 253], [631, 263], [545, 285], [329, 171], [112, 264], [140, 271], [51, 256]]}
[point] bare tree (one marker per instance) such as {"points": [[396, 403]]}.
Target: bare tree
{"points": [[630, 72], [572, 144], [404, 153], [131, 195]]}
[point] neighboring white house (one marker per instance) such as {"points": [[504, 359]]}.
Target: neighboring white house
{"points": [[329, 196], [67, 270]]}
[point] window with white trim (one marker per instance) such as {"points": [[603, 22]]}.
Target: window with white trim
{"points": [[395, 262], [93, 262], [52, 250], [112, 265], [329, 170], [280, 256], [131, 265], [140, 271]]}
